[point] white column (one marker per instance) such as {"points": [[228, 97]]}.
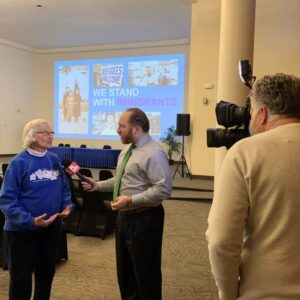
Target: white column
{"points": [[236, 43]]}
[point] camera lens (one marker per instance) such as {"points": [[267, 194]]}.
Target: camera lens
{"points": [[218, 137]]}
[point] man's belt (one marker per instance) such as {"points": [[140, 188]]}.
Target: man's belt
{"points": [[136, 211]]}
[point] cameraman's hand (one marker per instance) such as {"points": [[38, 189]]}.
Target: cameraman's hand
{"points": [[89, 184]]}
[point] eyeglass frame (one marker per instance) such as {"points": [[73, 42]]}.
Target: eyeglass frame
{"points": [[46, 133]]}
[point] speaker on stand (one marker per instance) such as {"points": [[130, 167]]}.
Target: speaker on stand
{"points": [[183, 129]]}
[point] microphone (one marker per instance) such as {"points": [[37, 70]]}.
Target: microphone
{"points": [[72, 168]]}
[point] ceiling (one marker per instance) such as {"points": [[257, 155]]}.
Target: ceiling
{"points": [[77, 23]]}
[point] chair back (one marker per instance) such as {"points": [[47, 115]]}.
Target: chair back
{"points": [[98, 219], [4, 167], [86, 172], [105, 174], [3, 264]]}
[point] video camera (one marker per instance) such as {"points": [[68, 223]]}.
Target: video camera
{"points": [[232, 115]]}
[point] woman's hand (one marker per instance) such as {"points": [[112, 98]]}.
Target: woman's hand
{"points": [[41, 222], [66, 212]]}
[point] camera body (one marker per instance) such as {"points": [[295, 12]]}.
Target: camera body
{"points": [[232, 115], [229, 115]]}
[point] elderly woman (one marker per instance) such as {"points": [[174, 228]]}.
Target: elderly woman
{"points": [[35, 195]]}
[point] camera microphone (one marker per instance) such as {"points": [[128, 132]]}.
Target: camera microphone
{"points": [[245, 72], [72, 168]]}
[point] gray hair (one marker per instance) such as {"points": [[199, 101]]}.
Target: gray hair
{"points": [[30, 129], [280, 93]]}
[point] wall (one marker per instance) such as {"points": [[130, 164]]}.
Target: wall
{"points": [[277, 42], [204, 57], [17, 82]]}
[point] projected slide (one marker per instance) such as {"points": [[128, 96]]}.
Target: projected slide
{"points": [[90, 95]]}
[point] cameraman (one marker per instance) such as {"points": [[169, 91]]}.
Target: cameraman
{"points": [[254, 222]]}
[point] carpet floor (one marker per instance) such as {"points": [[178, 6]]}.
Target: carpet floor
{"points": [[90, 271]]}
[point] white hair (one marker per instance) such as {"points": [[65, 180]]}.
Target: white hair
{"points": [[30, 129]]}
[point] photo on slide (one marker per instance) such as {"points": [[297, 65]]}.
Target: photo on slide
{"points": [[106, 123], [153, 73], [73, 99], [108, 75]]}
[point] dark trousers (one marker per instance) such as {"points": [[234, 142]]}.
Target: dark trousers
{"points": [[30, 252], [138, 251]]}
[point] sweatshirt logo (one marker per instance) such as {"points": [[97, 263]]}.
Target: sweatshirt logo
{"points": [[44, 175]]}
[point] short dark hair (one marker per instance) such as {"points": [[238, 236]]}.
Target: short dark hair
{"points": [[138, 117], [280, 93]]}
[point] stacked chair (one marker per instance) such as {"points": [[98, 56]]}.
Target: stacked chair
{"points": [[93, 215]]}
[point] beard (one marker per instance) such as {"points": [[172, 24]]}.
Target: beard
{"points": [[127, 137]]}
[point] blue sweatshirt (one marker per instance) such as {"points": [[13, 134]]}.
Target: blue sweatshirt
{"points": [[33, 185]]}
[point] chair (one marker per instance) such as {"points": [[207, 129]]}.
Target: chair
{"points": [[72, 221], [105, 174], [97, 219], [82, 146], [3, 264], [67, 145], [86, 172], [60, 145], [76, 189], [62, 253], [4, 167], [106, 147]]}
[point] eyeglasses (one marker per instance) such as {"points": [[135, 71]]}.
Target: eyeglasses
{"points": [[46, 133]]}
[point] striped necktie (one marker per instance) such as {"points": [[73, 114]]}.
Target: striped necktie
{"points": [[121, 172]]}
